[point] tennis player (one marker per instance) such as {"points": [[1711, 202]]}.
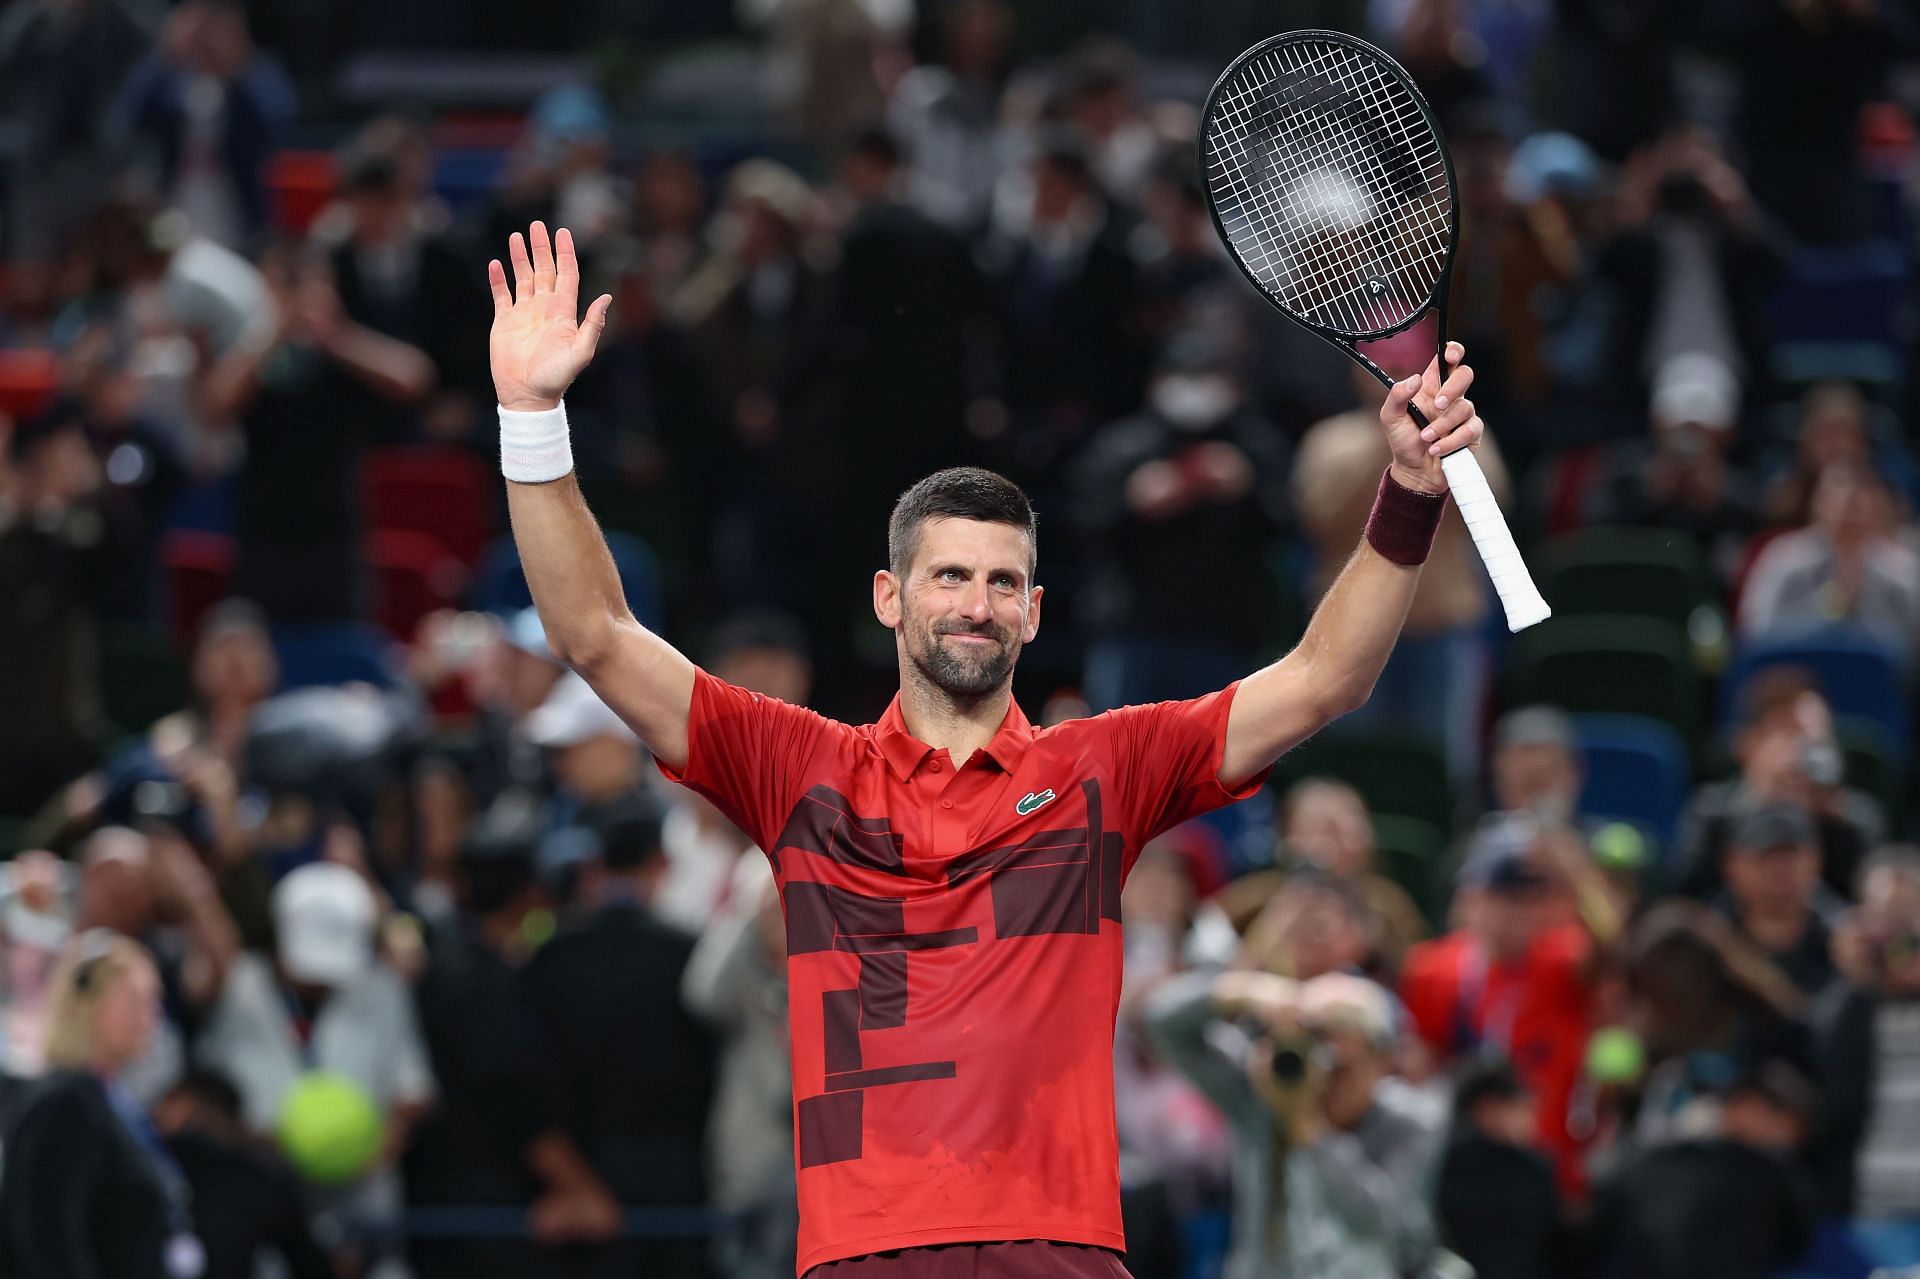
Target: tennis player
{"points": [[951, 874]]}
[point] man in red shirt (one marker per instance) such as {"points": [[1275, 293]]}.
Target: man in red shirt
{"points": [[1517, 982], [950, 875]]}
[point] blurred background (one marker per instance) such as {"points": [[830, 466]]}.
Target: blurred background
{"points": [[1593, 950]]}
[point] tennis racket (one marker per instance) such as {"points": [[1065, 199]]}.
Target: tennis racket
{"points": [[1329, 181]]}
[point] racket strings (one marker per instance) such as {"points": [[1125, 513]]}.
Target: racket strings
{"points": [[1330, 183]]}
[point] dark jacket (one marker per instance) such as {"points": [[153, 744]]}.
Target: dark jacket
{"points": [[82, 1193]]}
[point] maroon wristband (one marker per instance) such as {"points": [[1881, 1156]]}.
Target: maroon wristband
{"points": [[1404, 521]]}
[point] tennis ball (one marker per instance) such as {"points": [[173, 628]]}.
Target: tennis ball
{"points": [[330, 1128], [1619, 846], [1615, 1056]]}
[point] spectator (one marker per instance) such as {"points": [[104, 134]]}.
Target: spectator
{"points": [[1325, 824], [1848, 566], [1069, 302], [233, 670], [595, 757], [1832, 429], [87, 1187], [1709, 1010], [401, 280], [1681, 477], [208, 107], [1787, 754], [307, 403], [633, 1069], [1775, 897], [1331, 1160], [948, 115], [493, 1137], [1517, 979], [1314, 923], [1436, 680], [1180, 505], [1498, 1206], [1869, 1027], [736, 980], [324, 1002], [1732, 1202], [249, 1209], [1536, 766]]}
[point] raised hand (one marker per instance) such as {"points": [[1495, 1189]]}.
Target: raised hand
{"points": [[538, 345], [1452, 423]]}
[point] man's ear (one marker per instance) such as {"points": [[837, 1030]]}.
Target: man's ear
{"points": [[1033, 615], [886, 599]]}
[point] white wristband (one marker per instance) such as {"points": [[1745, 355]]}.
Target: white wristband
{"points": [[535, 447]]}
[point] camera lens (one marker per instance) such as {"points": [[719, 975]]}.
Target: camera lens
{"points": [[1289, 1065]]}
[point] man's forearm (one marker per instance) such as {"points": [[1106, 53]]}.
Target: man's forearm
{"points": [[569, 569]]}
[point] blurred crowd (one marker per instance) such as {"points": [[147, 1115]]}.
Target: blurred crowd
{"points": [[345, 932]]}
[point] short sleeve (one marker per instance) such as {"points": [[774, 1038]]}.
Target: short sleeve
{"points": [[748, 753], [1168, 759]]}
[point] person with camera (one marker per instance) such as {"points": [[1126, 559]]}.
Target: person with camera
{"points": [[1774, 895], [1868, 1032], [1332, 1159]]}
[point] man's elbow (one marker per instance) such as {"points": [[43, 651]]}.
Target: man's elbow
{"points": [[586, 646]]}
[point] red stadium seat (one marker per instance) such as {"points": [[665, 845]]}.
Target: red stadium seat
{"points": [[413, 575], [299, 185], [28, 379], [446, 493], [197, 568]]}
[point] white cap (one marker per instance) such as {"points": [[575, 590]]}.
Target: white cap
{"points": [[1698, 390], [323, 915], [573, 713]]}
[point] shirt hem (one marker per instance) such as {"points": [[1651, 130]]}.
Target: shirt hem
{"points": [[820, 1256]]}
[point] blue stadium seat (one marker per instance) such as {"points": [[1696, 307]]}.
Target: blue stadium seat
{"points": [[500, 587], [1860, 1249], [1861, 677], [332, 653], [1637, 770]]}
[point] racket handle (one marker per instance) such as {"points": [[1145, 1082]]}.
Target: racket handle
{"points": [[1494, 540]]}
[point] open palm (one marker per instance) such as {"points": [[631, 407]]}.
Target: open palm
{"points": [[538, 346]]}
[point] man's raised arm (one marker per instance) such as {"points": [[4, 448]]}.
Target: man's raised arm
{"points": [[538, 346], [1346, 645]]}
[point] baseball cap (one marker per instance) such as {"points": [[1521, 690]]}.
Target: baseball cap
{"points": [[323, 917], [526, 633], [1500, 856], [1552, 164], [573, 713], [1696, 389], [1535, 726], [1769, 826]]}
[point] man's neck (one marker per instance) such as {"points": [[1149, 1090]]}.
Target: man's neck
{"points": [[958, 726], [1777, 929]]}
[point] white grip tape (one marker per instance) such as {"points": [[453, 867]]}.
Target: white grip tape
{"points": [[535, 447], [1518, 595]]}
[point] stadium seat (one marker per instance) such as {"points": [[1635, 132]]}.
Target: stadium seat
{"points": [[500, 587], [1625, 571], [142, 677], [1398, 775], [1860, 676], [28, 379], [1636, 769], [446, 493], [1411, 853], [332, 653], [413, 576], [197, 568], [1610, 665], [1873, 765]]}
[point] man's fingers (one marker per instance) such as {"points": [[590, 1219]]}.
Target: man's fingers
{"points": [[542, 258], [522, 267], [497, 281], [587, 337], [1466, 435], [566, 268], [1398, 396], [1457, 384]]}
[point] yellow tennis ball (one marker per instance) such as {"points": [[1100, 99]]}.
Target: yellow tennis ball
{"points": [[330, 1128], [1615, 1056]]}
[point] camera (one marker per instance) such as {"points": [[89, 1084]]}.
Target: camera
{"points": [[1297, 1056]]}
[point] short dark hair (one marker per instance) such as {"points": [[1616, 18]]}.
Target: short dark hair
{"points": [[1487, 1079], [963, 493]]}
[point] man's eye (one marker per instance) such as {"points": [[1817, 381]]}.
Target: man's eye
{"points": [[949, 574], [1004, 582]]}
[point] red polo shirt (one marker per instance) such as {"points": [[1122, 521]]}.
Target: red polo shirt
{"points": [[954, 956]]}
